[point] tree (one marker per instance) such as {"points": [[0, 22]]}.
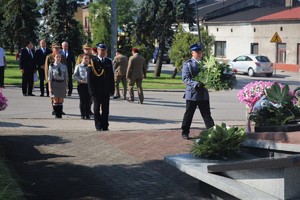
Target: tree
{"points": [[180, 50], [20, 22], [59, 24], [155, 23], [100, 18]]}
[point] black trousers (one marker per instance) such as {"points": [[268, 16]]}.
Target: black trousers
{"points": [[101, 111], [204, 109], [27, 82], [85, 99], [42, 80], [1, 76], [70, 80]]}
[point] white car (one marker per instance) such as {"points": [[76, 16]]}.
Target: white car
{"points": [[252, 64]]}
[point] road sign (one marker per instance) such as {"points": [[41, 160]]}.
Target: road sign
{"points": [[276, 38]]}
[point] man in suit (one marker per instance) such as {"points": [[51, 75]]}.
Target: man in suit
{"points": [[196, 94], [120, 67], [136, 71], [27, 67], [100, 78], [41, 55], [70, 57]]}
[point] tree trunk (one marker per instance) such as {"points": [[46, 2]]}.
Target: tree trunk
{"points": [[174, 73], [158, 65]]}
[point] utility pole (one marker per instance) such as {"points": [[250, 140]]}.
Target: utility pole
{"points": [[114, 33], [198, 25]]}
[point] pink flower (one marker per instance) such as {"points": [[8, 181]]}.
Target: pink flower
{"points": [[253, 91], [3, 101]]}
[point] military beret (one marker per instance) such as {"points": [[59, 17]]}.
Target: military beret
{"points": [[55, 45], [196, 47], [134, 49], [86, 46], [101, 46]]}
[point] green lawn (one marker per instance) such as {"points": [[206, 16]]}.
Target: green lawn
{"points": [[13, 77]]}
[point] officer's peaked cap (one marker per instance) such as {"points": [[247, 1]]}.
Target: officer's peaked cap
{"points": [[101, 46], [196, 47]]}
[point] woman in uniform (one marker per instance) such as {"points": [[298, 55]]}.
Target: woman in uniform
{"points": [[58, 84]]}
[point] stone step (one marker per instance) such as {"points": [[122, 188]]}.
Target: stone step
{"points": [[197, 168]]}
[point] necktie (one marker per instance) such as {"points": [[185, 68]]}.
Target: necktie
{"points": [[44, 50], [30, 53]]}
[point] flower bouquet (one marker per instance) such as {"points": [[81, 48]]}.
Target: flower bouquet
{"points": [[218, 142], [3, 101], [215, 75], [270, 103]]}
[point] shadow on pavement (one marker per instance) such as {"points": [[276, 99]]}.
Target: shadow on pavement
{"points": [[44, 179], [15, 125]]}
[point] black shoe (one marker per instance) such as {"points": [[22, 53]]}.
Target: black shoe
{"points": [[53, 112], [69, 95], [24, 95], [130, 100], [31, 95], [105, 129], [91, 113], [116, 97], [41, 95], [87, 117], [82, 117], [185, 136], [63, 113]]}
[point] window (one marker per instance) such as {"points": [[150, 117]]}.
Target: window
{"points": [[281, 53], [298, 54], [254, 48], [220, 49]]}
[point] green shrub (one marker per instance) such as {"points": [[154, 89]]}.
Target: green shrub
{"points": [[218, 142]]}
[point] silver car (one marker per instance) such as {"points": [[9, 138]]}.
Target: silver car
{"points": [[252, 64]]}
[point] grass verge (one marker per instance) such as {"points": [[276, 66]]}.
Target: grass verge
{"points": [[13, 76], [9, 188]]}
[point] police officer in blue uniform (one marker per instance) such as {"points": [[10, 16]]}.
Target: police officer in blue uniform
{"points": [[100, 78], [196, 94]]}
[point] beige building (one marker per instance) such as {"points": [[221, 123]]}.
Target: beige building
{"points": [[275, 35]]}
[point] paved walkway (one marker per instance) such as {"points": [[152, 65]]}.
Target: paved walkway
{"points": [[67, 159]]}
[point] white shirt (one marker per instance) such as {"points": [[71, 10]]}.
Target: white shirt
{"points": [[2, 56]]}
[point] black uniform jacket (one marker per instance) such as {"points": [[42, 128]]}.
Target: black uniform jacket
{"points": [[100, 78]]}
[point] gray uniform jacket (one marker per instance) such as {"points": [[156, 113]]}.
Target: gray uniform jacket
{"points": [[80, 73], [190, 69], [58, 72]]}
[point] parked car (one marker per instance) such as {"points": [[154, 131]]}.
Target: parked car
{"points": [[165, 56], [252, 64]]}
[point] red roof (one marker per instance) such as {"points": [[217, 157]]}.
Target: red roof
{"points": [[290, 14]]}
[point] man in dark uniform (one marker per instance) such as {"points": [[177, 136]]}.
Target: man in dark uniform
{"points": [[100, 77], [196, 94], [27, 67], [70, 58], [41, 55]]}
